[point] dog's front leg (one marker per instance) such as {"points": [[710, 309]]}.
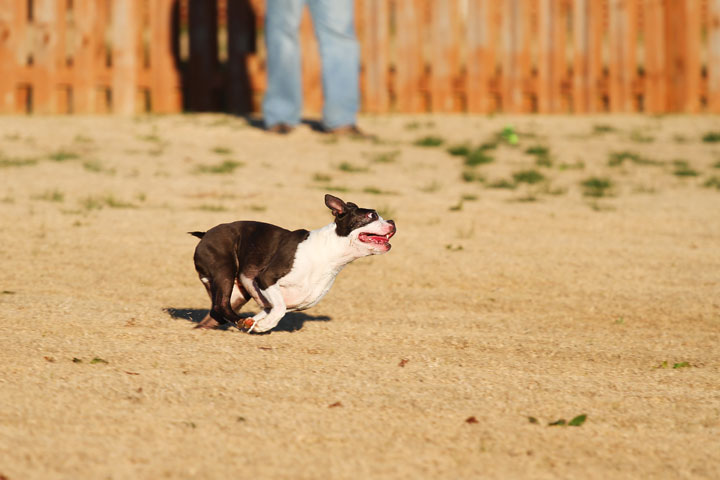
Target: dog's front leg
{"points": [[269, 318]]}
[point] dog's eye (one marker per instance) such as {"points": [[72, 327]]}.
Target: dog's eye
{"points": [[372, 215]]}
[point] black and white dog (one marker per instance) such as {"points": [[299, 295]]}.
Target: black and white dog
{"points": [[282, 270]]}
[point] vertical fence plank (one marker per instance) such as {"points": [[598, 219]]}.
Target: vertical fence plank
{"points": [[165, 84], [375, 40], [516, 58], [46, 55], [581, 34], [682, 35], [713, 60], [479, 66], [595, 56], [654, 60], [12, 15], [202, 65], [444, 54], [408, 60], [691, 103], [125, 56], [623, 67], [241, 44], [83, 65], [544, 64]]}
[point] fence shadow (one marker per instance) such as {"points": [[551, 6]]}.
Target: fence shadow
{"points": [[292, 321]]}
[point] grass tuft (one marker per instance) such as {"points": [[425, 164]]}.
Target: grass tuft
{"points": [[596, 187], [227, 166], [351, 168], [462, 150], [429, 141], [478, 157], [51, 196], [63, 155], [383, 157], [711, 137], [683, 169], [528, 176], [712, 182]]}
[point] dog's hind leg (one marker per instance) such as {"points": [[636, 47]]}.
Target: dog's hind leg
{"points": [[238, 298]]}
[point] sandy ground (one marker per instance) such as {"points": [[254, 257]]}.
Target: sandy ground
{"points": [[497, 312]]}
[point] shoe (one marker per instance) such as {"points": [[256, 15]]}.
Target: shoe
{"points": [[351, 131], [280, 129]]}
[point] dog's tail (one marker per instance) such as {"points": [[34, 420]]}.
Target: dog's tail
{"points": [[197, 234]]}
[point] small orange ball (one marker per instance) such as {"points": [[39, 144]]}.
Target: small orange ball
{"points": [[248, 322]]}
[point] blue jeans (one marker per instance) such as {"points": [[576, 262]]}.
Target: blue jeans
{"points": [[334, 25]]}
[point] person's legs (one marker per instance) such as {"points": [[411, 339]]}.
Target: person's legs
{"points": [[282, 103], [334, 22]]}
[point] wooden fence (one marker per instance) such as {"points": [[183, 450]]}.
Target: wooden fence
{"points": [[548, 56]]}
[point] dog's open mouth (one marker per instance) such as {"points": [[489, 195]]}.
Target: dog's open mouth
{"points": [[375, 238]]}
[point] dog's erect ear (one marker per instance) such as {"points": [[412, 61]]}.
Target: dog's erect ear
{"points": [[337, 206]]}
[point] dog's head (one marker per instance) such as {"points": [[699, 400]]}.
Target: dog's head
{"points": [[366, 230]]}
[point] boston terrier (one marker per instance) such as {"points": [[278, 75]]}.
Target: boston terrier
{"points": [[282, 271]]}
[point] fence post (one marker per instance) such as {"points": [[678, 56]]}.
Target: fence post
{"points": [[713, 61], [581, 33], [479, 66], [46, 56], [654, 61], [444, 59], [374, 39], [202, 66], [11, 16], [622, 54], [408, 61], [311, 66], [241, 44], [165, 81], [682, 37], [125, 61]]}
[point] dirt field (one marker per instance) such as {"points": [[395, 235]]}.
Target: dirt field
{"points": [[514, 297]]}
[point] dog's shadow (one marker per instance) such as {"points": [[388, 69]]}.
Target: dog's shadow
{"points": [[291, 322]]}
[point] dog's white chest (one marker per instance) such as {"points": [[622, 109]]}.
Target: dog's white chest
{"points": [[312, 274]]}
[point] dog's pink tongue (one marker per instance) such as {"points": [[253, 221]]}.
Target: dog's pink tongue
{"points": [[365, 237]]}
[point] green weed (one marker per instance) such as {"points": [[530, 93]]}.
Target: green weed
{"points": [[639, 137], [503, 184], [51, 196], [351, 168], [602, 128], [712, 182], [429, 141], [377, 191], [211, 208], [478, 157], [222, 150], [227, 166], [683, 169], [17, 162], [257, 208], [63, 155], [578, 165], [79, 138], [711, 137], [383, 157], [528, 176], [469, 175], [459, 150], [322, 177], [596, 187]]}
